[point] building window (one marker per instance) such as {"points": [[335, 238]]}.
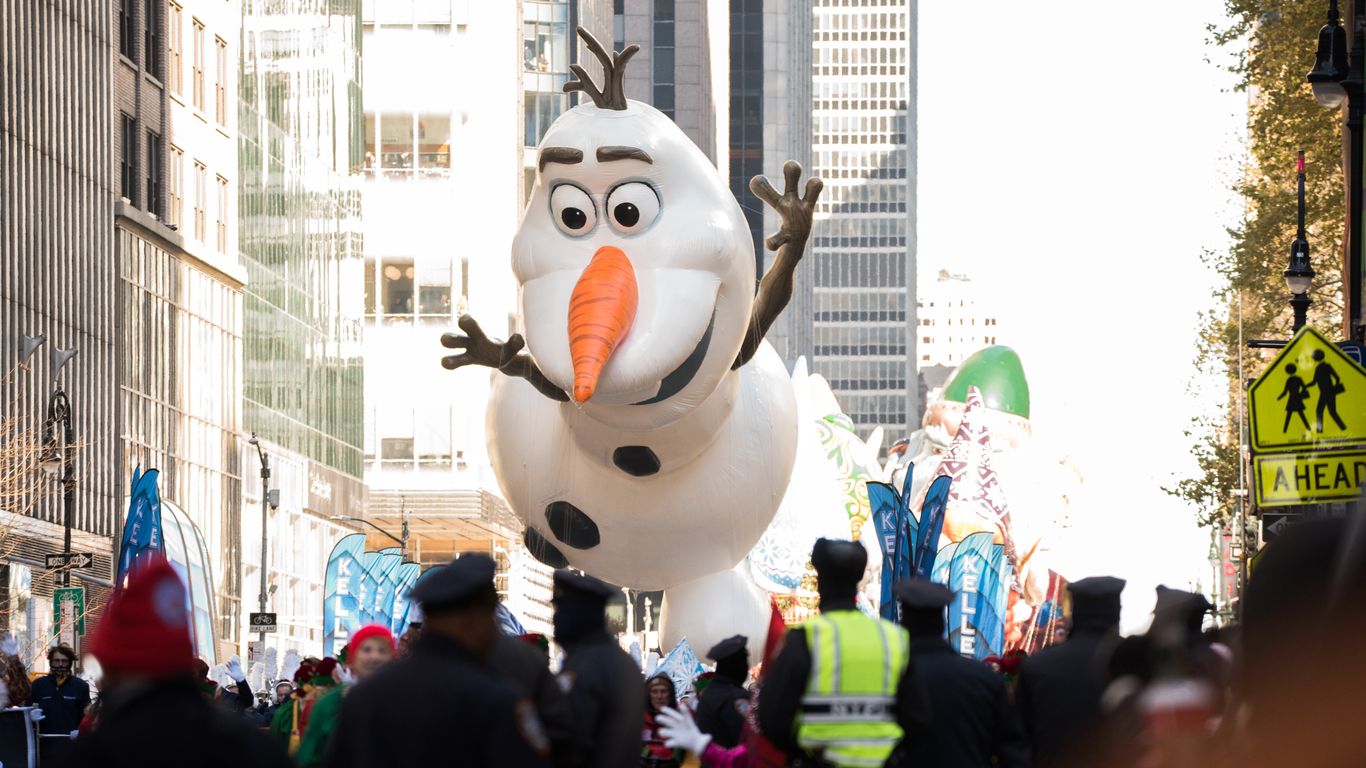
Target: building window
{"points": [[221, 223], [128, 158], [434, 292], [175, 198], [396, 449], [220, 81], [152, 39], [128, 41], [154, 173], [397, 291], [663, 57], [545, 46], [541, 109], [197, 76], [407, 143], [175, 44], [369, 287], [201, 192]]}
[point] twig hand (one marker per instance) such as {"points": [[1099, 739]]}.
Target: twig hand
{"points": [[796, 212], [478, 348]]}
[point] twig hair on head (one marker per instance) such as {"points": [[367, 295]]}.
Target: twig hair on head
{"points": [[613, 92]]}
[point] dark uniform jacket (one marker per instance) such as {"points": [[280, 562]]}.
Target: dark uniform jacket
{"points": [[607, 701], [437, 706], [721, 711], [780, 697], [171, 724], [1058, 695], [63, 705], [971, 721], [527, 671]]}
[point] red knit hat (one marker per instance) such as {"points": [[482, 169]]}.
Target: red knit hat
{"points": [[365, 633], [146, 626]]}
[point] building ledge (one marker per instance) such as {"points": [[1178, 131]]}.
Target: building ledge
{"points": [[155, 229]]}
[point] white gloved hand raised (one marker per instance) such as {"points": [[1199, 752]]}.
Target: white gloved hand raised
{"points": [[36, 715], [680, 732], [234, 669]]}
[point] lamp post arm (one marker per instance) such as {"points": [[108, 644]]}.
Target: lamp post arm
{"points": [[401, 542]]}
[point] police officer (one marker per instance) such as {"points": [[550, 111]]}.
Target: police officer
{"points": [[527, 669], [971, 722], [840, 691], [602, 682], [441, 705], [723, 705], [1059, 690]]}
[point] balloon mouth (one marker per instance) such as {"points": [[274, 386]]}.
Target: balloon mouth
{"points": [[602, 308], [680, 377]]}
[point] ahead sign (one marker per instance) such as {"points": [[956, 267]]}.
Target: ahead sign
{"points": [[262, 622], [1288, 478]]}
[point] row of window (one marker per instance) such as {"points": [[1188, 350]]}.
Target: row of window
{"points": [[171, 69], [931, 320], [872, 54], [894, 36], [144, 190], [965, 340], [663, 57], [408, 142], [399, 289]]}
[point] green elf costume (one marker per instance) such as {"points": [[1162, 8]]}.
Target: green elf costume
{"points": [[326, 711]]}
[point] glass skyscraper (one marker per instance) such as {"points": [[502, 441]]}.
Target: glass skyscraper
{"points": [[863, 242], [299, 227]]}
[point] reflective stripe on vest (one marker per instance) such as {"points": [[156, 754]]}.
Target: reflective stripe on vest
{"points": [[848, 714]]}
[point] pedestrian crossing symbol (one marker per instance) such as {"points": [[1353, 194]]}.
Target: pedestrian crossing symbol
{"points": [[1311, 396]]}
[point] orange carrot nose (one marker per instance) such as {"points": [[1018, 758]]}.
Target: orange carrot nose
{"points": [[600, 313]]}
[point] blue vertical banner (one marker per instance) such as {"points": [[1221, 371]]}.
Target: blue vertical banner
{"points": [[931, 526], [341, 585], [977, 572], [891, 513], [142, 535], [404, 581]]}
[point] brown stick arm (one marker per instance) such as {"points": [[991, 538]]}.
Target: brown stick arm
{"points": [[506, 356], [775, 289]]}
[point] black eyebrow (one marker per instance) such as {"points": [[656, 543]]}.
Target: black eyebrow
{"points": [[606, 154], [564, 155]]}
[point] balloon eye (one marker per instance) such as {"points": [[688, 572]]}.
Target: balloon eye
{"points": [[634, 206], [573, 210], [626, 214], [573, 218]]}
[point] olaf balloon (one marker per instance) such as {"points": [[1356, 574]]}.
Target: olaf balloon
{"points": [[646, 433]]}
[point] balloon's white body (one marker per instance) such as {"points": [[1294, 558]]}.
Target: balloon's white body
{"points": [[724, 439]]}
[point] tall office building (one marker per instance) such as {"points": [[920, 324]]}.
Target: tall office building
{"points": [[58, 185], [447, 173], [682, 67], [299, 137], [956, 318], [863, 242], [180, 297]]}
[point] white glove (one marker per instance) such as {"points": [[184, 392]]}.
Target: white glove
{"points": [[680, 732], [74, 734], [234, 669], [9, 644], [36, 715], [343, 675]]}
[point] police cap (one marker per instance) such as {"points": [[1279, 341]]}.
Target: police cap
{"points": [[571, 584], [838, 560], [922, 595], [731, 646], [464, 582], [1096, 599]]}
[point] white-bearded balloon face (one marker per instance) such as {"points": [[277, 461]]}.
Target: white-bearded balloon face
{"points": [[641, 186]]}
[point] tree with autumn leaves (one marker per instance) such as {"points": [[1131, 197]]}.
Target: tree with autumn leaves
{"points": [[1271, 45]]}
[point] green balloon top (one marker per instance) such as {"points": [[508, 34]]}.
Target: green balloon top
{"points": [[997, 372]]}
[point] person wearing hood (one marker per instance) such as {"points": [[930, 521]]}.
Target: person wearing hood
{"points": [[442, 704], [722, 708], [371, 647], [601, 681], [1058, 695], [863, 695], [154, 714], [971, 722]]}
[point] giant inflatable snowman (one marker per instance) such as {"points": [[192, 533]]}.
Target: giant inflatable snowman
{"points": [[646, 435]]}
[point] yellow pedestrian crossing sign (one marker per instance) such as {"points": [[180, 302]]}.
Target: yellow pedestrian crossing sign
{"points": [[1311, 396]]}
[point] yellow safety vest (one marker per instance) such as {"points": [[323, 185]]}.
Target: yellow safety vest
{"points": [[848, 714]]}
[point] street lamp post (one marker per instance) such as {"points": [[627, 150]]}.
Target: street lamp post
{"points": [[1337, 77], [266, 503], [1300, 273], [58, 460], [402, 541]]}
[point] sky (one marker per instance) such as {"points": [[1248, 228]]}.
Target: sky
{"points": [[1075, 159]]}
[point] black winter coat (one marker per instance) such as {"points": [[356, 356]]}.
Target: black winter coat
{"points": [[971, 722], [721, 711], [438, 706], [608, 703], [170, 725], [1058, 696], [527, 671], [63, 705]]}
